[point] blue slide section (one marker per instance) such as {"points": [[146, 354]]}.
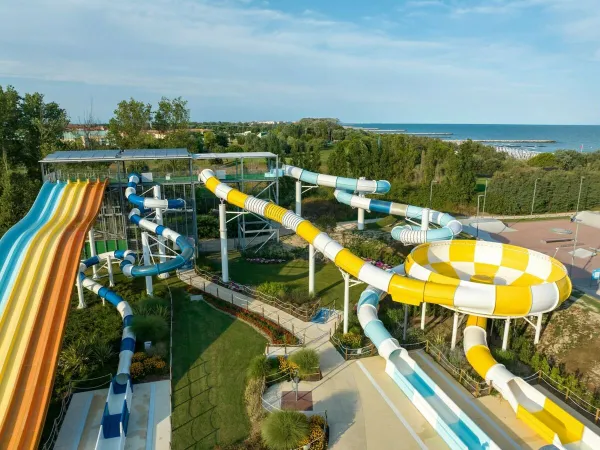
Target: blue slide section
{"points": [[186, 249], [15, 242]]}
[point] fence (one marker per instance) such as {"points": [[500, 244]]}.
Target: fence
{"points": [[304, 313], [476, 388], [353, 353], [72, 389], [568, 396]]}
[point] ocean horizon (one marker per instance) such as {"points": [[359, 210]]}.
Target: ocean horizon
{"points": [[584, 138]]}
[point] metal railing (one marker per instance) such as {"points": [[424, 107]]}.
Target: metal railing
{"points": [[568, 396], [350, 352], [476, 388], [66, 401]]}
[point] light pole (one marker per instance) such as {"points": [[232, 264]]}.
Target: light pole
{"points": [[477, 216], [576, 226], [431, 192], [533, 200], [484, 197]]}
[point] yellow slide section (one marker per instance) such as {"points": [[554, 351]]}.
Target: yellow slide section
{"points": [[23, 302]]}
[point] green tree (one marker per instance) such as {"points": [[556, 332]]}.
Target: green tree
{"points": [[210, 140], [337, 163], [131, 119], [171, 115], [462, 174]]}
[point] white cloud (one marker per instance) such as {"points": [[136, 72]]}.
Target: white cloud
{"points": [[254, 57]]}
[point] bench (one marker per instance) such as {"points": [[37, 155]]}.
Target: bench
{"points": [[553, 240]]}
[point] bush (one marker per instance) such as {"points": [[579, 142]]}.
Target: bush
{"points": [[275, 250], [139, 357], [253, 399], [149, 328], [258, 368], [316, 437], [137, 370], [273, 289], [307, 360], [352, 340], [326, 222], [160, 350], [284, 430], [152, 306]]}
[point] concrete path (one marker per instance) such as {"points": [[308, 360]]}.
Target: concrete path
{"points": [[149, 422]]}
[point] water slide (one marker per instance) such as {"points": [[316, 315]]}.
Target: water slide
{"points": [[478, 278], [408, 234], [115, 418], [40, 256]]}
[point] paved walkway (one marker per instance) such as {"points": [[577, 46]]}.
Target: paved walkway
{"points": [[149, 422]]}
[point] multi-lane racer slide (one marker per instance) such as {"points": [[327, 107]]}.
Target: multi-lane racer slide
{"points": [[39, 260], [478, 278]]}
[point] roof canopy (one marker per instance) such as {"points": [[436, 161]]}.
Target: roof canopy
{"points": [[144, 155]]}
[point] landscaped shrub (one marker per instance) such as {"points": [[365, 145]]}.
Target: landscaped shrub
{"points": [[287, 366], [253, 399], [275, 250], [152, 306], [352, 340], [273, 289], [149, 328], [139, 356], [284, 430], [102, 352], [316, 437], [307, 360], [258, 367], [137, 370], [159, 349]]}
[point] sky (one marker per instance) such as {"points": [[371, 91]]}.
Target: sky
{"points": [[427, 61]]}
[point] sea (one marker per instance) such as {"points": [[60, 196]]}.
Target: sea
{"points": [[584, 138]]}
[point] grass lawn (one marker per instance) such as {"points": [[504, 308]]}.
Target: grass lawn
{"points": [[211, 352], [329, 284]]}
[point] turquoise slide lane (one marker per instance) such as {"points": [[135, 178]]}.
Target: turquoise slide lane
{"points": [[16, 241], [445, 416]]}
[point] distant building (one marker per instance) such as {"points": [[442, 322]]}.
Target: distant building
{"points": [[98, 136]]}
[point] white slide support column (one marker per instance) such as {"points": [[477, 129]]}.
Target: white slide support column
{"points": [[538, 329], [423, 314], [109, 267], [425, 219], [361, 214], [161, 240], [92, 240], [311, 269], [506, 332], [299, 197], [223, 238], [454, 330], [346, 299], [405, 329], [147, 261], [79, 284]]}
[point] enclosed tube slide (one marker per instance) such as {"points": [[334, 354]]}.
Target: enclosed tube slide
{"points": [[345, 187], [450, 422], [115, 418], [187, 250], [344, 184]]}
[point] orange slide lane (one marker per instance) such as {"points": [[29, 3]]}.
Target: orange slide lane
{"points": [[29, 397]]}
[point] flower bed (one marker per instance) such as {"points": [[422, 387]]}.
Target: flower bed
{"points": [[379, 264], [276, 333], [265, 260]]}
